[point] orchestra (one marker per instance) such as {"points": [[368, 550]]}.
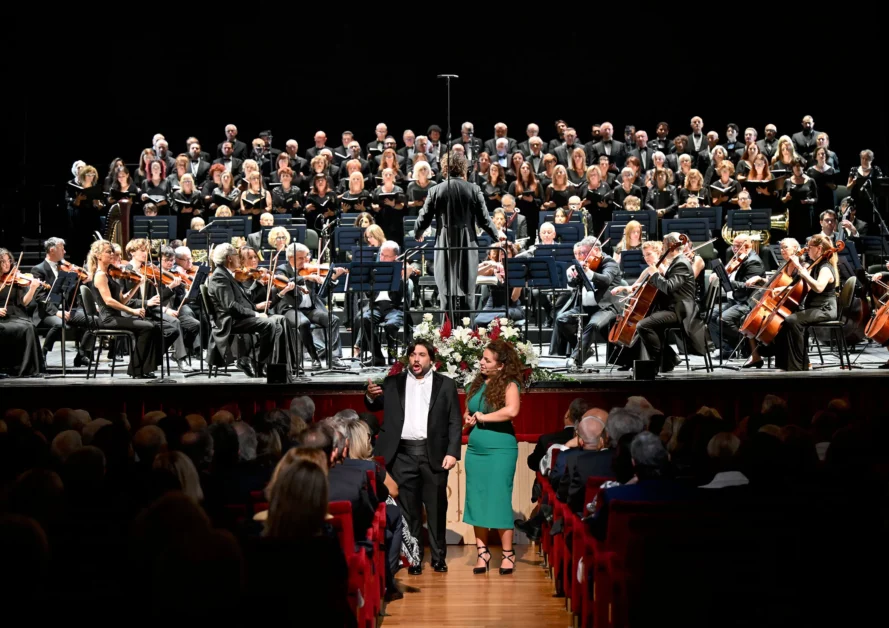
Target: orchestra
{"points": [[528, 190]]}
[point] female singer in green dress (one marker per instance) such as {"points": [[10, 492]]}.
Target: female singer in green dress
{"points": [[492, 404]]}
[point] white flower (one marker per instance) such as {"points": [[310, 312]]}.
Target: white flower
{"points": [[422, 329], [452, 370], [466, 321], [482, 331], [463, 335], [445, 351], [427, 317], [504, 322], [508, 332], [458, 358]]}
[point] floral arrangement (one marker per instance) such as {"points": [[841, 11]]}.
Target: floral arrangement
{"points": [[459, 349]]}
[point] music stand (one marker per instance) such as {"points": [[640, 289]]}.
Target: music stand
{"points": [[569, 233], [583, 283], [344, 238], [726, 284], [59, 294], [365, 254], [748, 220], [238, 225], [283, 220], [372, 278], [155, 227], [200, 277], [531, 272]]}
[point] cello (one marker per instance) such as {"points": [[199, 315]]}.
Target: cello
{"points": [[623, 331], [771, 311], [878, 326]]}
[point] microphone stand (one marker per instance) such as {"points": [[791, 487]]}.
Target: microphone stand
{"points": [[450, 229]]}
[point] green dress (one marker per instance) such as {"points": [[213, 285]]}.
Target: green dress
{"points": [[490, 468]]}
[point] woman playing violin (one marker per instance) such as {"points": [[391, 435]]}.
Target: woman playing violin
{"points": [[21, 355], [114, 313]]}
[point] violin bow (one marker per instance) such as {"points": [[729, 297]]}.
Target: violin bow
{"points": [[12, 272]]}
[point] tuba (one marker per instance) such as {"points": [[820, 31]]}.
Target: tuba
{"points": [[780, 222]]}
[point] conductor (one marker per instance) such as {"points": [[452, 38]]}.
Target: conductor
{"points": [[458, 208]]}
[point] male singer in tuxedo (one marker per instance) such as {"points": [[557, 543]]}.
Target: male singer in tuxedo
{"points": [[420, 441], [616, 151], [515, 222], [239, 148], [676, 286]]}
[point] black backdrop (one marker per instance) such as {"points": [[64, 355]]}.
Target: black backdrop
{"points": [[106, 91]]}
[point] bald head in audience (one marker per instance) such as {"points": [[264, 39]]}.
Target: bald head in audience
{"points": [[64, 444], [591, 429], [148, 442], [222, 416]]}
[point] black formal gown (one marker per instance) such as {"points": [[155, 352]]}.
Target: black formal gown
{"points": [[390, 219], [186, 207], [288, 201], [528, 204], [159, 195], [802, 222], [355, 203], [416, 192], [148, 352], [21, 355], [826, 195]]}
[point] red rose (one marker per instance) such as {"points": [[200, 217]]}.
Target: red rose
{"points": [[464, 366], [397, 368]]}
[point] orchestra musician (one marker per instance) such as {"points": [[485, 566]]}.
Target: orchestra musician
{"points": [[744, 264], [676, 282], [49, 315], [115, 313], [387, 309], [600, 306], [494, 305], [21, 355], [235, 313], [819, 305], [301, 305]]}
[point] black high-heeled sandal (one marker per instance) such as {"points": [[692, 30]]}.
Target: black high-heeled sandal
{"points": [[481, 554], [510, 556]]}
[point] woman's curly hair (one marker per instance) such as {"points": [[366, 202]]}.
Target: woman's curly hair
{"points": [[512, 371]]}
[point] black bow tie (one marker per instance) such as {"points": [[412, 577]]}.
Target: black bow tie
{"points": [[606, 141]]}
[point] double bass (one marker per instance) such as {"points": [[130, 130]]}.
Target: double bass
{"points": [[766, 318], [623, 331]]}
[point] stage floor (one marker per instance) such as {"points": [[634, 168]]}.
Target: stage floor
{"points": [[866, 359]]}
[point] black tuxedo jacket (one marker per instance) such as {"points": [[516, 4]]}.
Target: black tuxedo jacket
{"points": [[648, 164], [618, 153], [236, 165], [43, 271], [201, 175], [240, 149], [587, 464], [804, 144], [563, 154], [519, 224], [750, 267], [230, 303], [444, 423], [545, 442], [349, 484], [491, 146], [290, 300], [678, 284], [298, 164]]}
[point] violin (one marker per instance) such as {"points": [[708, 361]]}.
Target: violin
{"points": [[312, 268], [262, 275], [735, 263], [154, 273], [21, 279], [68, 267], [116, 272]]}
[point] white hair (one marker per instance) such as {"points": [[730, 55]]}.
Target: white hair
{"points": [[390, 244], [658, 153], [627, 171], [422, 165], [502, 140], [76, 166], [295, 247], [468, 126], [222, 252], [182, 251]]}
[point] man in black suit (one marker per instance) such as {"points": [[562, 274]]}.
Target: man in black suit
{"points": [[320, 144], [515, 221], [768, 146], [600, 306], [235, 313], [49, 315], [203, 155], [420, 442], [572, 415], [232, 164], [532, 130], [270, 151], [500, 130], [677, 283], [563, 152], [162, 150], [239, 148], [743, 281], [592, 460], [196, 164], [805, 142], [405, 154], [616, 150], [387, 309], [472, 145], [301, 304], [375, 148], [643, 151], [535, 157], [389, 142], [297, 164], [732, 144], [696, 139], [661, 140]]}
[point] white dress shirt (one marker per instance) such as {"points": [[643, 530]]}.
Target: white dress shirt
{"points": [[417, 393]]}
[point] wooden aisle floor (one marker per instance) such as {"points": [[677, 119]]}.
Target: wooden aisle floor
{"points": [[459, 598]]}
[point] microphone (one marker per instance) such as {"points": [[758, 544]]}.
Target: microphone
{"points": [[450, 76]]}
